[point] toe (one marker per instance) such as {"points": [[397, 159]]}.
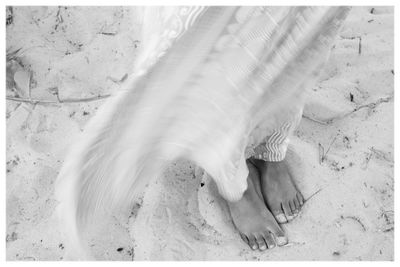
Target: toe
{"points": [[280, 217], [297, 204], [293, 208], [279, 214], [280, 237], [278, 234], [244, 238], [288, 211], [252, 242], [261, 243], [300, 198], [281, 240], [269, 240]]}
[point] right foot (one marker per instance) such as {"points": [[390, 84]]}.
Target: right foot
{"points": [[280, 193], [257, 226]]}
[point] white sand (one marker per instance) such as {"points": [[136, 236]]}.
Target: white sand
{"points": [[181, 216]]}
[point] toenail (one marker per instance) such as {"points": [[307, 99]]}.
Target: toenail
{"points": [[254, 247], [281, 240], [281, 218]]}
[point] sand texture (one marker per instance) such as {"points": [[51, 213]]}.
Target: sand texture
{"points": [[63, 62]]}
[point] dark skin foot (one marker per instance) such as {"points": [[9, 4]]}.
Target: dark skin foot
{"points": [[280, 194], [257, 226]]}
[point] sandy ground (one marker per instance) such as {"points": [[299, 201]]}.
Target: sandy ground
{"points": [[342, 151]]}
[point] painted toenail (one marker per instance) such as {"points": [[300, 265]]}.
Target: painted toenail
{"points": [[281, 240], [254, 247], [281, 218]]}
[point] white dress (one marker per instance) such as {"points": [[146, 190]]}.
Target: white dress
{"points": [[212, 84]]}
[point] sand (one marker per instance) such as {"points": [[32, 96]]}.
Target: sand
{"points": [[342, 151]]}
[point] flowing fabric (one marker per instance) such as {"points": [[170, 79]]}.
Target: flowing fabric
{"points": [[209, 85]]}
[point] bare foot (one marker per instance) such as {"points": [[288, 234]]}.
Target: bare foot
{"points": [[280, 194], [256, 224]]}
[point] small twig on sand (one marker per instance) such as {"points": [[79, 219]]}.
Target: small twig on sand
{"points": [[68, 100], [59, 18], [322, 154], [315, 120], [330, 145], [388, 229], [118, 81], [102, 31], [388, 219], [290, 244], [108, 33], [32, 101], [54, 91], [357, 220], [381, 155], [29, 86], [366, 161], [313, 194], [371, 105], [359, 41]]}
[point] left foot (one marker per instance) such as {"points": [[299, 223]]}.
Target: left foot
{"points": [[280, 194], [257, 226]]}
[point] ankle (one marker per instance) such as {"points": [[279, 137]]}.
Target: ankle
{"points": [[260, 164]]}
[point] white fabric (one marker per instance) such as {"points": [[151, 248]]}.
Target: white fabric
{"points": [[204, 90]]}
